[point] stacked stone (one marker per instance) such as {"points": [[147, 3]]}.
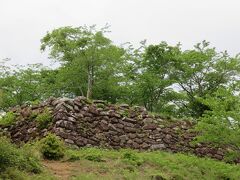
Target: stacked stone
{"points": [[25, 128], [99, 124], [82, 123]]}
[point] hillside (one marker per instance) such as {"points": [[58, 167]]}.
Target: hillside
{"points": [[103, 164], [107, 141], [92, 163], [115, 90]]}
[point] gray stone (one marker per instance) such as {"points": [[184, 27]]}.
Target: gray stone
{"points": [[69, 141], [130, 120], [71, 119], [150, 126], [157, 146], [132, 136], [130, 129], [123, 137], [124, 105], [148, 120]]}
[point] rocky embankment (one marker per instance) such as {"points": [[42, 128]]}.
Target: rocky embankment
{"points": [[82, 123]]}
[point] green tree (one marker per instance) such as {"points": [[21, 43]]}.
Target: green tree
{"points": [[19, 84], [201, 72], [221, 124], [154, 81], [84, 52], [6, 84]]}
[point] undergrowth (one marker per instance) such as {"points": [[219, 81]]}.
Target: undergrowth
{"points": [[96, 163], [131, 164], [8, 119], [44, 119], [14, 162]]}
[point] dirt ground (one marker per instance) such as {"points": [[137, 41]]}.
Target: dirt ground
{"points": [[61, 170]]}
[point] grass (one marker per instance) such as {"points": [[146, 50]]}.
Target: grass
{"points": [[8, 119], [44, 119], [17, 163], [130, 164], [104, 164]]}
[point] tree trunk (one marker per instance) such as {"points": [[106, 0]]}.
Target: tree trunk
{"points": [[90, 83]]}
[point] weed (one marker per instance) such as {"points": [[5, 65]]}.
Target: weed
{"points": [[8, 119], [44, 119], [100, 105], [95, 158], [13, 160], [132, 158], [33, 115]]}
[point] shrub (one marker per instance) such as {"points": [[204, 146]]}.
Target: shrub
{"points": [[94, 158], [132, 158], [12, 173], [220, 126], [52, 147], [16, 158], [36, 102], [73, 157], [231, 156], [33, 115], [158, 177], [8, 154], [8, 119], [100, 105], [44, 119]]}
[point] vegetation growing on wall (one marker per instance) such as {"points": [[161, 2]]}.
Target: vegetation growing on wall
{"points": [[198, 83]]}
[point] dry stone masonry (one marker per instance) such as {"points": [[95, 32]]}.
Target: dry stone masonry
{"points": [[82, 123]]}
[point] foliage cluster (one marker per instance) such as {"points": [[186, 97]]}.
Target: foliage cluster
{"points": [[220, 126], [113, 164], [199, 82], [52, 147], [132, 158], [13, 160], [44, 119], [8, 119], [124, 164]]}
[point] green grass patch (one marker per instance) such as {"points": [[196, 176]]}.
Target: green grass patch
{"points": [[104, 164], [131, 164], [8, 119], [15, 162], [44, 119]]}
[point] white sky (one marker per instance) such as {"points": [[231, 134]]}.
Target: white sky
{"points": [[24, 22]]}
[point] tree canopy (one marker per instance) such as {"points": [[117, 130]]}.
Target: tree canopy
{"points": [[199, 83]]}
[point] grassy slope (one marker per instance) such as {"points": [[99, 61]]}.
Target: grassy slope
{"points": [[92, 163]]}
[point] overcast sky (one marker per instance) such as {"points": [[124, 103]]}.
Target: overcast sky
{"points": [[24, 22]]}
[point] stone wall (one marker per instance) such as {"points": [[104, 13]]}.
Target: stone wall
{"points": [[82, 123]]}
